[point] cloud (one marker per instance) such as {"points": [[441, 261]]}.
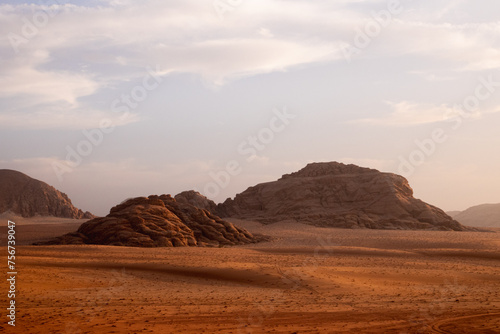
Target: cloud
{"points": [[69, 119], [76, 52], [406, 113], [432, 76], [464, 47], [22, 76], [235, 58], [57, 56]]}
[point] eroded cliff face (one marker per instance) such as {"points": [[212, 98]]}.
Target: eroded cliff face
{"points": [[28, 197], [157, 221], [338, 195]]}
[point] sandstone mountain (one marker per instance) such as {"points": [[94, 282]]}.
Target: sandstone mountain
{"points": [[485, 215], [28, 197], [157, 221], [196, 199], [338, 195]]}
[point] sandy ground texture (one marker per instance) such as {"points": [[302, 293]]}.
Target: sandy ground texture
{"points": [[30, 230], [306, 280]]}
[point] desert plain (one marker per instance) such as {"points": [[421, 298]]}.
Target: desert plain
{"points": [[306, 279]]}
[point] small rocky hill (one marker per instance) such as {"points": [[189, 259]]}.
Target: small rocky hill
{"points": [[196, 199], [484, 215], [338, 195], [28, 197], [157, 221]]}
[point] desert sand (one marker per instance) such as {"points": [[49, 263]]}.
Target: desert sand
{"points": [[306, 280]]}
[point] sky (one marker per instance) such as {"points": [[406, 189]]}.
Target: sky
{"points": [[111, 99]]}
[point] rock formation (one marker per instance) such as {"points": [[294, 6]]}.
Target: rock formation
{"points": [[157, 221], [196, 199], [338, 195], [28, 197]]}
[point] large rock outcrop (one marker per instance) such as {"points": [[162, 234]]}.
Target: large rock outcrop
{"points": [[338, 195], [196, 199], [157, 221], [28, 197]]}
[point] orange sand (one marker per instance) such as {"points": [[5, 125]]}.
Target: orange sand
{"points": [[307, 280]]}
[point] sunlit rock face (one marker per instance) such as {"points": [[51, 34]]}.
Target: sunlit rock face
{"points": [[157, 221], [338, 195], [28, 197]]}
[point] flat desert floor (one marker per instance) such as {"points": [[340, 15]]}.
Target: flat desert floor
{"points": [[306, 280]]}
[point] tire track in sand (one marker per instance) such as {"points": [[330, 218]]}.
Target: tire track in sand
{"points": [[436, 326]]}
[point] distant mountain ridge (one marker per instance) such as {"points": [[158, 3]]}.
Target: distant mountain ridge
{"points": [[484, 215], [338, 195], [28, 197]]}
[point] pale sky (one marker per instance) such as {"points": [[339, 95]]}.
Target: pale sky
{"points": [[221, 95]]}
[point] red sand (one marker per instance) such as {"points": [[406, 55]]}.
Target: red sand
{"points": [[307, 280]]}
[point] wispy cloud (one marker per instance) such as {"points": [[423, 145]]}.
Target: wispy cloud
{"points": [[464, 47], [64, 118], [25, 76], [406, 113], [433, 76]]}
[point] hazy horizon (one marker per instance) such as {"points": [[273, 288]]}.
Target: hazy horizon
{"points": [[111, 99]]}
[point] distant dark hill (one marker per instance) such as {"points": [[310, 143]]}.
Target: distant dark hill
{"points": [[338, 195], [485, 215], [28, 197], [157, 221]]}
